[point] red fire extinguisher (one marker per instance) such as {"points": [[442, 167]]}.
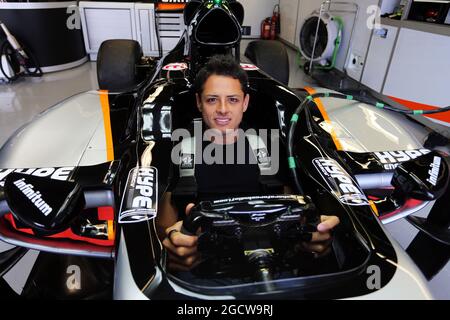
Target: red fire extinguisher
{"points": [[272, 30], [275, 22], [265, 28]]}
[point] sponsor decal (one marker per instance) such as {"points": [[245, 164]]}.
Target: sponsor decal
{"points": [[62, 173], [257, 217], [140, 201], [176, 66], [34, 196], [390, 166], [391, 159], [249, 67], [340, 182], [257, 198], [263, 157], [434, 171], [187, 161]]}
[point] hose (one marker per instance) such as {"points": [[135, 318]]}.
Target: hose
{"points": [[292, 161], [37, 69], [4, 52], [377, 104], [290, 152], [8, 51]]}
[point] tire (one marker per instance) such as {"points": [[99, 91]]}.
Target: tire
{"points": [[116, 65], [270, 56]]}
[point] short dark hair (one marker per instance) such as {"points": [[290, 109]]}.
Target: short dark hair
{"points": [[221, 65]]}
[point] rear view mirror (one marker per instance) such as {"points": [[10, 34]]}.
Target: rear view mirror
{"points": [[424, 178]]}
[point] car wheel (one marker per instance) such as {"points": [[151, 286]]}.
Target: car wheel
{"points": [[116, 65], [270, 56]]}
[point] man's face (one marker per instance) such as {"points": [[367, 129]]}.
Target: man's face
{"points": [[222, 103]]}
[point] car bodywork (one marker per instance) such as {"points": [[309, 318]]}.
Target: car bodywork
{"points": [[95, 139]]}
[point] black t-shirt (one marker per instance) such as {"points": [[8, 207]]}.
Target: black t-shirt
{"points": [[236, 175], [222, 179]]}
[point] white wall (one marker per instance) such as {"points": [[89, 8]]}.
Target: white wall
{"points": [[254, 13], [361, 36]]}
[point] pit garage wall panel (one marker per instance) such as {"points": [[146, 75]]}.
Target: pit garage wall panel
{"points": [[377, 61], [420, 68]]}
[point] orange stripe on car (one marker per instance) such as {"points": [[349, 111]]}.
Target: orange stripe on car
{"points": [[322, 110], [374, 207], [111, 230], [444, 116], [104, 101]]}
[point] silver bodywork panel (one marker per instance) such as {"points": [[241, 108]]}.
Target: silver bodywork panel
{"points": [[408, 282], [360, 127], [70, 133], [125, 287]]}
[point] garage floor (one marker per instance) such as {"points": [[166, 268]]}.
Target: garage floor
{"points": [[21, 101]]}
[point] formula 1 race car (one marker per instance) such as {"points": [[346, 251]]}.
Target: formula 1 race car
{"points": [[80, 184]]}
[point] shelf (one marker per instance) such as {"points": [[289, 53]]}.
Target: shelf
{"points": [[441, 29]]}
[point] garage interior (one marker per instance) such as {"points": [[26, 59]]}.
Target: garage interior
{"points": [[394, 50]]}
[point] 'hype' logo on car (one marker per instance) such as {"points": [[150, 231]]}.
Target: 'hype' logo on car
{"points": [[62, 173], [391, 159], [140, 200], [340, 182]]}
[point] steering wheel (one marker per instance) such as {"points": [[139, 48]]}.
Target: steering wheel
{"points": [[250, 235]]}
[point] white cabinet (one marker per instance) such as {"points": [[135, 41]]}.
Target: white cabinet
{"points": [[420, 68], [410, 65], [171, 28], [377, 61], [118, 20], [103, 21], [145, 28]]}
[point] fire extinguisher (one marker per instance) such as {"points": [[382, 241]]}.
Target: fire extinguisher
{"points": [[272, 29], [275, 22], [265, 28]]}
